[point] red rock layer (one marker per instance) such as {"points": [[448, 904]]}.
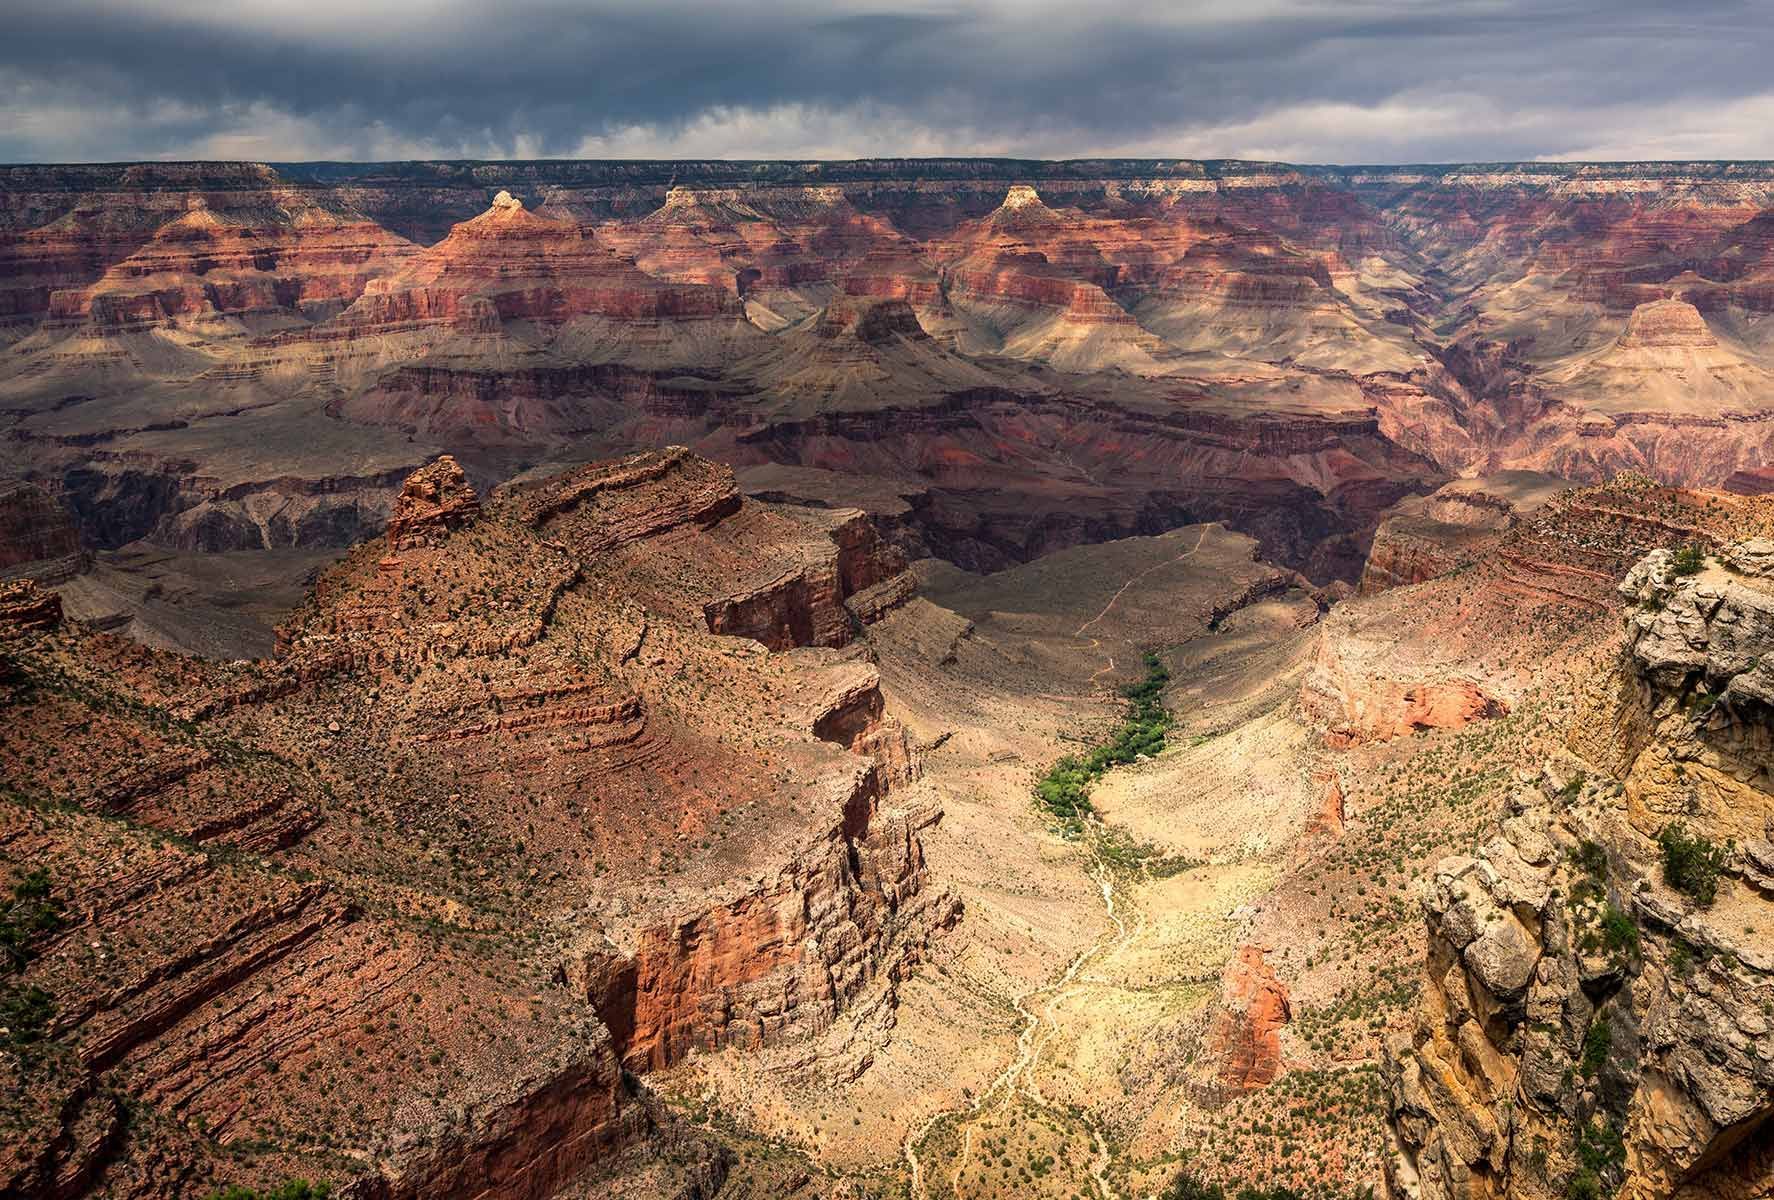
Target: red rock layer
{"points": [[1244, 1045], [330, 870], [509, 264]]}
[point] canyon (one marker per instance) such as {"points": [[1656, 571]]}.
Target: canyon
{"points": [[551, 680], [1024, 356]]}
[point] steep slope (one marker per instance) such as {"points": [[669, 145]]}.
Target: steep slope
{"points": [[521, 802], [1591, 1015]]}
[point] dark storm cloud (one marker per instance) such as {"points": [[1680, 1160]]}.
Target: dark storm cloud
{"points": [[1323, 80]]}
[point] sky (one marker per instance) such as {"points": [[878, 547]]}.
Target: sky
{"points": [[1331, 81]]}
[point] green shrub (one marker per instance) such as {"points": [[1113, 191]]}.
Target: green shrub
{"points": [[1688, 560], [1600, 1146], [1590, 858], [25, 1013], [1596, 1044], [1584, 1186], [1064, 792], [30, 915], [293, 1189], [1692, 863], [1186, 1187], [1619, 934]]}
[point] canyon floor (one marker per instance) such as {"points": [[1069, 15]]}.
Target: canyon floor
{"points": [[1203, 976]]}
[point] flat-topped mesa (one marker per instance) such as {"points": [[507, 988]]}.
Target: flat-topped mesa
{"points": [[1666, 325], [1021, 195], [872, 321], [720, 205], [436, 497]]}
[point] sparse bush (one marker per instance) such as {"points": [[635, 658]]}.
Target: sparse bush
{"points": [[1596, 1044], [25, 1013], [31, 914], [1619, 934], [1584, 1186], [1688, 560], [293, 1189], [1590, 858], [1692, 862]]}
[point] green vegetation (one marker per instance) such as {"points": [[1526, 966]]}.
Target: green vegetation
{"points": [[1187, 1186], [25, 1013], [1591, 858], [1618, 933], [31, 914], [1692, 863], [293, 1189], [1688, 560], [1596, 1044], [1064, 792], [1601, 1152]]}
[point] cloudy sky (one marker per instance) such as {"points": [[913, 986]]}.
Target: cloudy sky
{"points": [[1299, 80]]}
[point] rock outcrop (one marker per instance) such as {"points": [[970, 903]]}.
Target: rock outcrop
{"points": [[504, 818], [1244, 1044], [1365, 686], [436, 498], [1423, 537], [1692, 724], [1587, 1026]]}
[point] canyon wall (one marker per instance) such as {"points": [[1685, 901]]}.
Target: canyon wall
{"points": [[1035, 355], [504, 823]]}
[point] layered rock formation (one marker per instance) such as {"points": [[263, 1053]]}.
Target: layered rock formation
{"points": [[37, 538], [232, 356], [1425, 537], [503, 817], [1593, 1019]]}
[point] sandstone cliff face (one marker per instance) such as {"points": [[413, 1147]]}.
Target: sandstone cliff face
{"points": [[1696, 723], [1424, 537], [1365, 685], [1244, 1042], [782, 961], [1587, 1028]]}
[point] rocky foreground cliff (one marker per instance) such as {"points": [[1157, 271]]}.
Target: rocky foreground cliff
{"points": [[1599, 997]]}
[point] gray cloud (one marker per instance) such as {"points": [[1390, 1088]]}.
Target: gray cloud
{"points": [[1308, 80]]}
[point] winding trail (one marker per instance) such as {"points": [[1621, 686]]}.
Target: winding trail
{"points": [[1096, 643], [1139, 575], [1017, 1074]]}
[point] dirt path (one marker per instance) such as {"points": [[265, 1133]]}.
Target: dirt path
{"points": [[1136, 577], [1013, 1078], [1031, 1010], [1096, 643]]}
